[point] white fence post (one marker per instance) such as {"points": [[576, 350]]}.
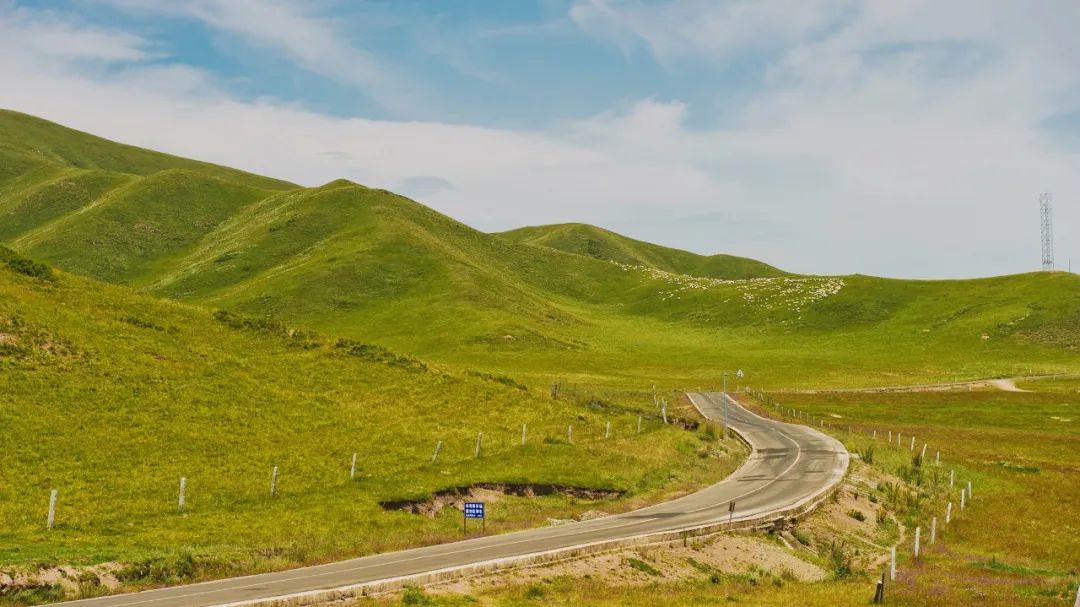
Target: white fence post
{"points": [[639, 424], [479, 442], [183, 487], [948, 513], [918, 532], [962, 490], [352, 468], [524, 429], [52, 509], [933, 530], [607, 430], [438, 447], [892, 563], [969, 490], [570, 434], [273, 481], [952, 476]]}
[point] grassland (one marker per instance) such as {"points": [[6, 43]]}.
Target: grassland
{"points": [[147, 379], [110, 396], [1016, 542], [570, 301]]}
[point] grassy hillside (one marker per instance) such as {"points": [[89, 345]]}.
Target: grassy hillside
{"points": [[110, 397], [603, 244], [569, 301]]}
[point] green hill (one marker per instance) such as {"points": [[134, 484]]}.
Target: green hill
{"points": [[110, 396], [603, 244], [569, 301]]}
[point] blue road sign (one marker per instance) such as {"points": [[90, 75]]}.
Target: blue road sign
{"points": [[474, 509]]}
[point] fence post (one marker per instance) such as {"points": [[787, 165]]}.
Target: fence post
{"points": [[933, 530], [273, 481], [937, 458], [524, 429], [923, 455], [52, 509], [663, 411], [479, 442], [183, 487], [948, 513], [352, 469], [639, 424], [918, 532], [438, 447], [952, 475], [969, 490], [962, 490], [607, 430], [892, 563], [570, 433]]}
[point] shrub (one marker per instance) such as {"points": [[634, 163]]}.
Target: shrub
{"points": [[25, 266], [857, 515], [380, 354], [414, 596], [644, 567], [839, 560]]}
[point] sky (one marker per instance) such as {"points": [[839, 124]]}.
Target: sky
{"points": [[907, 139]]}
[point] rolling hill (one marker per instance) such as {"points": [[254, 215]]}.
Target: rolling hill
{"points": [[110, 396], [599, 243], [569, 301]]}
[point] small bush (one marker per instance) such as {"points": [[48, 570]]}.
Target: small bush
{"points": [[534, 592], [25, 266], [414, 596], [801, 536], [380, 354], [839, 560], [644, 567], [857, 515], [501, 379]]}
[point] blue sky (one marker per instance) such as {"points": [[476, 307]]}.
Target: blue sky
{"points": [[824, 136]]}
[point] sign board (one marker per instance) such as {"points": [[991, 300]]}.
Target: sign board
{"points": [[474, 509]]}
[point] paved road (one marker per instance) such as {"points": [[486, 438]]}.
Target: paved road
{"points": [[791, 466]]}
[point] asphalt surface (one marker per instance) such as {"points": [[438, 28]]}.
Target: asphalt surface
{"points": [[790, 465]]}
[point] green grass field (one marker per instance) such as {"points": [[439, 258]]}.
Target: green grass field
{"points": [[110, 397], [356, 320], [1016, 543]]}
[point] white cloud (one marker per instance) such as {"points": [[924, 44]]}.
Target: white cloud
{"points": [[718, 28], [50, 35], [314, 43], [887, 162]]}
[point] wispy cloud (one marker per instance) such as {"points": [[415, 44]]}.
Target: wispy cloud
{"points": [[318, 44], [64, 38]]}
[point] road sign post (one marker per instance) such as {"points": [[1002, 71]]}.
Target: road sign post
{"points": [[473, 510]]}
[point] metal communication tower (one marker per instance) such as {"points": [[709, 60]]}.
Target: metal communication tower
{"points": [[1047, 231]]}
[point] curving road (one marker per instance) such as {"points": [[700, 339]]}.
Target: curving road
{"points": [[790, 469]]}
